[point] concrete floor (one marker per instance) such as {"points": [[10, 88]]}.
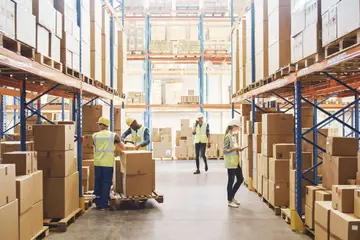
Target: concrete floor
{"points": [[195, 207]]}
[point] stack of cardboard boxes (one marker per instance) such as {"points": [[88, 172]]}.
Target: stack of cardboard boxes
{"points": [[261, 40], [190, 98], [30, 122], [135, 98], [184, 141], [162, 142], [25, 21], [256, 142], [216, 149], [311, 195], [279, 179], [9, 206], [276, 128], [14, 146], [105, 50], [245, 140], [96, 40], [29, 192], [90, 116], [135, 173], [57, 161]]}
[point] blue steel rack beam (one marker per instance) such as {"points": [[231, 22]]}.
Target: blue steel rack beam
{"points": [[2, 115], [147, 75]]}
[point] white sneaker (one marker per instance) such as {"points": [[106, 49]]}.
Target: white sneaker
{"points": [[236, 202], [233, 205]]}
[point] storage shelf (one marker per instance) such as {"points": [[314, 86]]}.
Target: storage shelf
{"points": [[178, 107], [191, 58]]}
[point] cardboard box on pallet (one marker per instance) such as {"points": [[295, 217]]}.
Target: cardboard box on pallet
{"points": [[278, 193], [162, 150], [90, 164], [265, 188], [279, 170], [337, 170], [342, 146], [257, 143], [7, 183], [268, 141], [26, 162], [278, 124], [31, 221], [64, 140], [14, 146], [343, 197], [245, 109], [322, 219], [265, 166], [311, 194], [29, 190], [25, 25], [258, 116], [57, 164], [9, 220], [260, 184], [258, 128], [282, 150], [344, 226], [61, 196]]}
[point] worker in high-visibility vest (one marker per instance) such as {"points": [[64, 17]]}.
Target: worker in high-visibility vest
{"points": [[201, 131], [106, 143], [232, 162], [139, 133]]}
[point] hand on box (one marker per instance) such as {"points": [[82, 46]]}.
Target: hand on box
{"points": [[137, 147]]}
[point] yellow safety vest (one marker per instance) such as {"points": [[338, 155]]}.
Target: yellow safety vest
{"points": [[138, 137], [232, 159], [200, 135], [104, 148]]}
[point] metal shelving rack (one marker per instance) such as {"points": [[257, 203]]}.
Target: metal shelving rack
{"points": [[30, 76]]}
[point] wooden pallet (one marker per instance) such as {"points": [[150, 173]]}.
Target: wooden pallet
{"points": [[49, 62], [88, 80], [17, 47], [284, 71], [309, 232], [286, 215], [342, 44], [61, 225], [71, 72], [276, 209], [182, 158], [306, 62], [89, 199], [42, 234], [164, 158], [99, 84], [120, 201]]}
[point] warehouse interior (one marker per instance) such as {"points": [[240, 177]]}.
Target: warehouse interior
{"points": [[269, 89]]}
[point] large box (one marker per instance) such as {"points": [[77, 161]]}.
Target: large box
{"points": [[279, 171], [136, 162], [9, 220], [279, 55], [162, 150], [309, 217], [337, 170], [348, 10], [13, 146], [329, 26], [282, 150], [7, 183], [357, 203], [43, 41], [90, 116], [135, 185], [23, 161], [322, 213], [278, 124], [310, 194], [29, 190], [342, 146], [31, 221], [343, 197], [25, 26], [57, 163], [268, 141], [90, 164], [344, 226], [320, 232], [61, 196], [279, 194], [64, 140]]}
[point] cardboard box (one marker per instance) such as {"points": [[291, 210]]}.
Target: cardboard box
{"points": [[278, 124], [61, 196], [14, 146], [29, 190], [43, 41], [248, 129], [342, 146], [347, 8], [31, 221], [65, 134], [282, 150], [181, 151], [292, 178], [265, 166], [136, 162], [257, 143], [187, 132], [25, 26], [265, 188], [165, 138], [357, 203], [85, 172], [268, 141], [310, 194], [185, 124], [7, 183], [343, 198], [162, 150], [245, 109], [260, 184], [320, 232], [90, 116], [191, 152], [322, 211], [279, 171], [307, 161], [182, 143], [321, 195], [135, 185], [9, 220], [22, 160], [309, 217], [258, 128], [337, 170], [344, 226], [164, 131], [279, 194], [57, 163]]}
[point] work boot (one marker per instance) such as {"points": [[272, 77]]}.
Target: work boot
{"points": [[206, 168], [232, 204], [197, 172]]}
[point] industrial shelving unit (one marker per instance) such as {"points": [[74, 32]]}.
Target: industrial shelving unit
{"points": [[314, 85], [25, 79]]}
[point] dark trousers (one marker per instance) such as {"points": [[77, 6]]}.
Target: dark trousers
{"points": [[103, 182], [200, 149], [231, 187]]}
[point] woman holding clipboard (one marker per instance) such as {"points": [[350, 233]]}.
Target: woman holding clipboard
{"points": [[232, 162]]}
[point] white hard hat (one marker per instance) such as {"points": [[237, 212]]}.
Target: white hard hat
{"points": [[200, 115], [234, 122]]}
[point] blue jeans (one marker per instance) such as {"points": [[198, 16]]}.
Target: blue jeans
{"points": [[103, 182]]}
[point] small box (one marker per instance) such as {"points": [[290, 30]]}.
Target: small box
{"points": [[29, 190], [22, 160], [267, 142], [342, 146], [310, 194], [320, 232], [322, 213], [322, 195], [306, 160], [31, 221], [136, 162], [7, 183], [343, 198], [90, 163], [282, 150]]}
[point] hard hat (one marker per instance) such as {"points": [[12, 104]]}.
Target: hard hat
{"points": [[234, 122], [129, 121], [200, 115], [105, 121]]}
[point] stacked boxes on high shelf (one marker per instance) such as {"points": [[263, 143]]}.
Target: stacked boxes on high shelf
{"points": [[120, 61], [29, 191], [25, 21], [261, 40], [184, 148], [256, 146], [96, 40], [276, 128], [85, 38], [105, 39], [162, 142], [135, 173], [70, 42], [242, 54], [90, 116], [135, 98], [9, 204], [59, 165], [190, 98]]}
